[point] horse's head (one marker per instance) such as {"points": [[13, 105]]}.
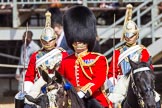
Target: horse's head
{"points": [[54, 88], [66, 96], [52, 83], [142, 80]]}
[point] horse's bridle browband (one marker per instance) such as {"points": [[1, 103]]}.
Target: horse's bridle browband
{"points": [[141, 69], [140, 99]]}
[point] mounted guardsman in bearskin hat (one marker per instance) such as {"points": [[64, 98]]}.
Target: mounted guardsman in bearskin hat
{"points": [[86, 70], [120, 66], [45, 59]]}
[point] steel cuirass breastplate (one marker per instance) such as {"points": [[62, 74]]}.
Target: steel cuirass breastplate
{"points": [[51, 61]]}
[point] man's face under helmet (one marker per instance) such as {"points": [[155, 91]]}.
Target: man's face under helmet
{"points": [[130, 29]]}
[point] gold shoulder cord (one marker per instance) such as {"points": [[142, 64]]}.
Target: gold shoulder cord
{"points": [[82, 63], [80, 60]]}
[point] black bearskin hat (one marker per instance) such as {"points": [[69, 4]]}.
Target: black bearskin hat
{"points": [[79, 25]]}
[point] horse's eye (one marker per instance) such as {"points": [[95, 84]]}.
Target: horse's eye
{"points": [[137, 79]]}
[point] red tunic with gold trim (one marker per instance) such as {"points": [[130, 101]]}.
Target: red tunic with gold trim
{"points": [[141, 55], [87, 72], [32, 71]]}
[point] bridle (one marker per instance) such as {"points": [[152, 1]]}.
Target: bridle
{"points": [[134, 87]]}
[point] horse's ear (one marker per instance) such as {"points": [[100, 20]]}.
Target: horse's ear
{"points": [[46, 77], [132, 63], [59, 77], [149, 62]]}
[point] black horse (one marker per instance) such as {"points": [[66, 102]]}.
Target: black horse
{"points": [[141, 87]]}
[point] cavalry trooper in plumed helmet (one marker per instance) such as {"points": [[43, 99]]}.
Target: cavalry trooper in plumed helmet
{"points": [[119, 65], [45, 59]]}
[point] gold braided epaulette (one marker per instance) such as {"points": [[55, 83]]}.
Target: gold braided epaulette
{"points": [[82, 63], [89, 64], [92, 63]]}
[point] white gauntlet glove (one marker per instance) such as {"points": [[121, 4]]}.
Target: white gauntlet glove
{"points": [[81, 94]]}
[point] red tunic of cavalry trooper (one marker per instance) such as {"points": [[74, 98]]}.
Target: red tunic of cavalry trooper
{"points": [[46, 58], [120, 64], [143, 57], [32, 71], [138, 53]]}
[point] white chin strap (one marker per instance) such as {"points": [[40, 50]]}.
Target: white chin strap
{"points": [[141, 69]]}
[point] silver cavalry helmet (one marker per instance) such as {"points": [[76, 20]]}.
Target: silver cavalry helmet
{"points": [[130, 28], [48, 33]]}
